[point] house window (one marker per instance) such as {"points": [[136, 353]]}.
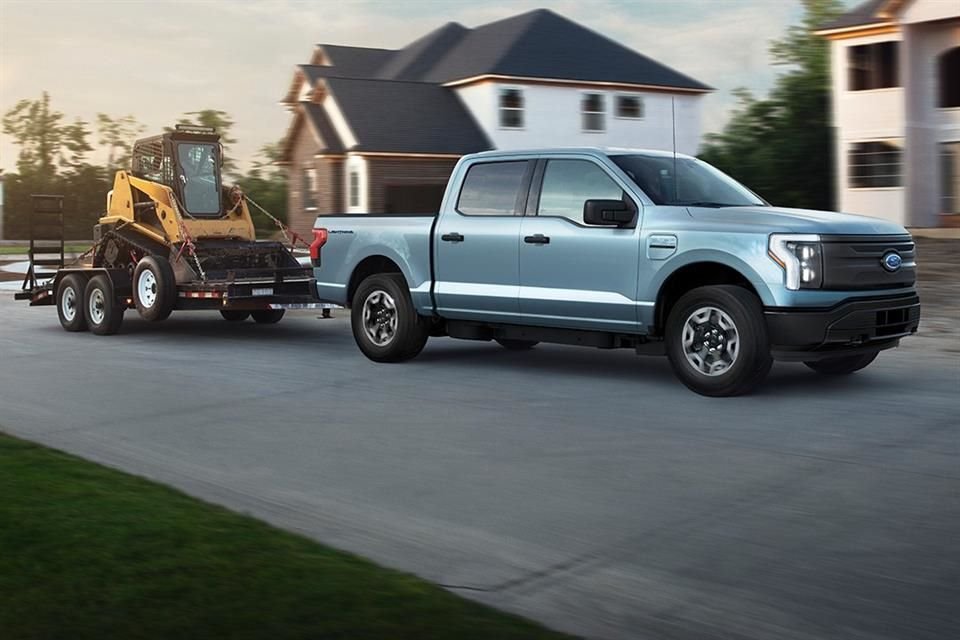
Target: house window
{"points": [[948, 76], [309, 188], [511, 109], [592, 110], [354, 188], [873, 66], [875, 164], [629, 107], [950, 177]]}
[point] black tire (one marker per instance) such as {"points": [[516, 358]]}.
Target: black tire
{"points": [[156, 296], [268, 316], [104, 313], [234, 315], [409, 332], [843, 365], [751, 361], [70, 306], [516, 345]]}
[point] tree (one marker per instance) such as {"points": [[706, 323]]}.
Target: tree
{"points": [[118, 135], [221, 122], [782, 146], [266, 184], [45, 141]]}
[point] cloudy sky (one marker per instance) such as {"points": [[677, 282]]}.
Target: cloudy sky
{"points": [[157, 59]]}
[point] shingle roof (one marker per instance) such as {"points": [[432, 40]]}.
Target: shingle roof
{"points": [[536, 44], [863, 14], [321, 122], [406, 117]]}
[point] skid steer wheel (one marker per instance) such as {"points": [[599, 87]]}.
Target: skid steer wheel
{"points": [[231, 315], [717, 340], [268, 316], [104, 313], [385, 325], [154, 288], [70, 302], [517, 345], [842, 365]]}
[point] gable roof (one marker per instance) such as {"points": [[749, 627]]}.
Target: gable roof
{"points": [[538, 44], [863, 15], [390, 116]]}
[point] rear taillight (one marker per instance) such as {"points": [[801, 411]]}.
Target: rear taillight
{"points": [[319, 239]]}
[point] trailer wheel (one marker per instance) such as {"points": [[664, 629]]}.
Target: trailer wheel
{"points": [[267, 316], [70, 302], [104, 313], [233, 315], [385, 324], [154, 288]]}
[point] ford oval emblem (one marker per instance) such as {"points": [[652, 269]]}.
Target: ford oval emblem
{"points": [[891, 261]]}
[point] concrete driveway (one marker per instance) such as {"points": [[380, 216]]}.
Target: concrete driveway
{"points": [[586, 489]]}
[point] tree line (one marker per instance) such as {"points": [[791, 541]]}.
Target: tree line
{"points": [[53, 159]]}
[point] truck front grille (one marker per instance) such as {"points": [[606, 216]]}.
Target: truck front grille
{"points": [[855, 263]]}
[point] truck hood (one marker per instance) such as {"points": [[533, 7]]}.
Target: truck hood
{"points": [[798, 220]]}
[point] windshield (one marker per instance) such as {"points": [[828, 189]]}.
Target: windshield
{"points": [[696, 183], [200, 178]]}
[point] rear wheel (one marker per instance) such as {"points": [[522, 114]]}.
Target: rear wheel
{"points": [[267, 316], [517, 345], [232, 315], [154, 288], [70, 302], [385, 325], [717, 340], [104, 313], [842, 365]]}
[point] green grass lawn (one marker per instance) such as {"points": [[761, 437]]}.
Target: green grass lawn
{"points": [[89, 552], [7, 250]]}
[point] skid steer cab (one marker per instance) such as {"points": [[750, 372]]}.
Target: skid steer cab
{"points": [[174, 237]]}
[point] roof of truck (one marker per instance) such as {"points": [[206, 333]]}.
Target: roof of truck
{"points": [[596, 151]]}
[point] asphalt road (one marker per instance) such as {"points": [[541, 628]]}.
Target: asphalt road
{"points": [[586, 489]]}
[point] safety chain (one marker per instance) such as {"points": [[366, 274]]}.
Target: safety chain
{"points": [[187, 241], [283, 228]]}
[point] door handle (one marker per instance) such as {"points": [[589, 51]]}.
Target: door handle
{"points": [[538, 238], [452, 237]]}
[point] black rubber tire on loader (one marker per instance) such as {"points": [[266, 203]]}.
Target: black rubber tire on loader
{"points": [[103, 311], [70, 306], [156, 295], [268, 316], [752, 361], [411, 329]]}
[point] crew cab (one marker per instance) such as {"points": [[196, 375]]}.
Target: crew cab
{"points": [[648, 250]]}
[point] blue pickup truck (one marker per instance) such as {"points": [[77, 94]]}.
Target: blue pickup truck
{"points": [[647, 250]]}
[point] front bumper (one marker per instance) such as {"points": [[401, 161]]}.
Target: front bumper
{"points": [[850, 327]]}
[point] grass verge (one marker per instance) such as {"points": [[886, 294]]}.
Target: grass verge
{"points": [[89, 552]]}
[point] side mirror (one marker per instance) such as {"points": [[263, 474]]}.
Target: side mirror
{"points": [[608, 213]]}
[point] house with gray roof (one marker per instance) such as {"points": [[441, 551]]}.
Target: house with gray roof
{"points": [[379, 130]]}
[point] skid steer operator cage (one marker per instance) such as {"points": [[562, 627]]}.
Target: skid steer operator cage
{"points": [[188, 160]]}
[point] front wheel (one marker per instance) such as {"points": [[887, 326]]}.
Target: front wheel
{"points": [[717, 340], [154, 288], [842, 365], [385, 325]]}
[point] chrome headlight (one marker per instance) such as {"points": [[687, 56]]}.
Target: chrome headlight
{"points": [[801, 257]]}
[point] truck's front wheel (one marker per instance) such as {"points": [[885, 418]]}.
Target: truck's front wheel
{"points": [[717, 340], [385, 325]]}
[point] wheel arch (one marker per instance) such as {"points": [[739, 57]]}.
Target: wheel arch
{"points": [[706, 271], [369, 266]]}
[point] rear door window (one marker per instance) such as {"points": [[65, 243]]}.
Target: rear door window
{"points": [[494, 189]]}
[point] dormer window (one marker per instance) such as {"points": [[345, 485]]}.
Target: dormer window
{"points": [[511, 109], [873, 66]]}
